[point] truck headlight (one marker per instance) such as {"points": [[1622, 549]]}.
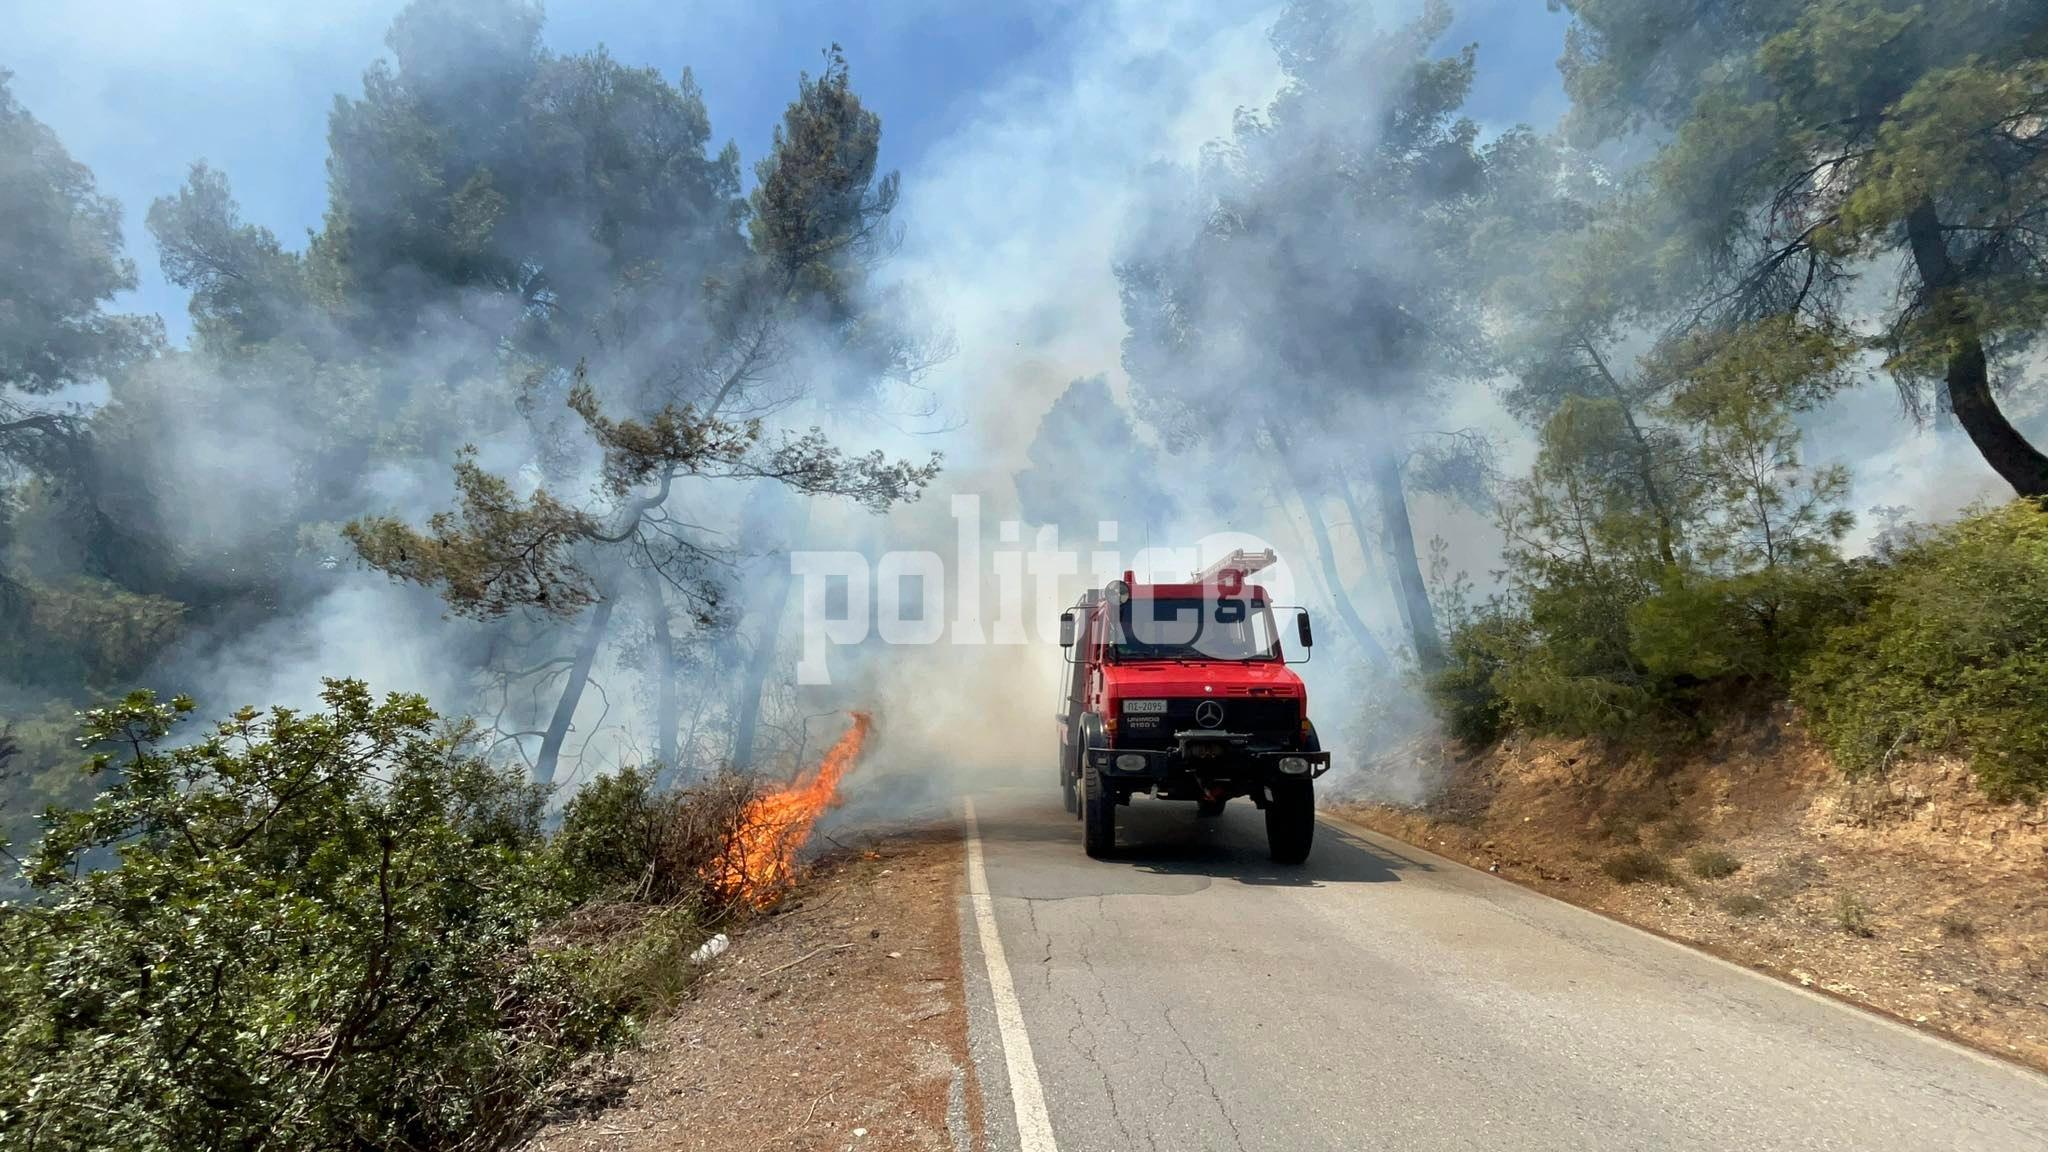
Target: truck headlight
{"points": [[1130, 762], [1293, 765]]}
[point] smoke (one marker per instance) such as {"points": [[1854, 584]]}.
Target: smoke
{"points": [[1091, 152]]}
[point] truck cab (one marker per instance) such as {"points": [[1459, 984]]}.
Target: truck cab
{"points": [[1182, 691]]}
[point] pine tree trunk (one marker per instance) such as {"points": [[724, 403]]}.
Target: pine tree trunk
{"points": [[767, 641], [1399, 535], [2018, 462], [1367, 554], [667, 713], [572, 692], [1326, 555], [1646, 460]]}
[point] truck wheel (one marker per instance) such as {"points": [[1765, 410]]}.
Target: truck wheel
{"points": [[1098, 815], [1291, 821], [1208, 807], [1069, 792]]}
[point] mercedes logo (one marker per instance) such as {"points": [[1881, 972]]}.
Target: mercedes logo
{"points": [[1208, 713]]}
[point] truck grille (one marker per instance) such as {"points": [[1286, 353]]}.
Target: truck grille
{"points": [[1275, 722]]}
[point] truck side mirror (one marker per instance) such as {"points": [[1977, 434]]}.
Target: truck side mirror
{"points": [[1066, 629], [1301, 630]]}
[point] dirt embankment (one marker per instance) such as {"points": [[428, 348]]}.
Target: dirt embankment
{"points": [[1910, 893], [838, 1023]]}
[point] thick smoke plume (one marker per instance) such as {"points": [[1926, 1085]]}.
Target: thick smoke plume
{"points": [[1134, 279]]}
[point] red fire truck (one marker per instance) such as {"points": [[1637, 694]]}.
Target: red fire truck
{"points": [[1182, 692]]}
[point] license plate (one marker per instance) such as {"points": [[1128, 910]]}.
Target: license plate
{"points": [[1153, 707]]}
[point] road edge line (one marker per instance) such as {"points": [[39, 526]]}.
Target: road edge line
{"points": [[1870, 1012], [1027, 1094]]}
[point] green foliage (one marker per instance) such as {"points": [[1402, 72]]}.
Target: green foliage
{"points": [[60, 244], [1669, 542], [624, 839], [608, 833], [1949, 653], [647, 970], [1817, 143], [317, 937], [246, 289], [1754, 628], [1466, 690]]}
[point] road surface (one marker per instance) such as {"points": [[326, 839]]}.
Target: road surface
{"points": [[1190, 995]]}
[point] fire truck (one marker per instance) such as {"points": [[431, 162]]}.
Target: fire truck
{"points": [[1183, 692]]}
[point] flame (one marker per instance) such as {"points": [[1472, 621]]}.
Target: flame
{"points": [[759, 861]]}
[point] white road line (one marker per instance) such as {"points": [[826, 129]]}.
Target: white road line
{"points": [[1034, 1128]]}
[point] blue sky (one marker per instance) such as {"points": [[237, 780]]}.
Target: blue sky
{"points": [[140, 88]]}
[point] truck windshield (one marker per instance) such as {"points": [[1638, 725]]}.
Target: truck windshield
{"points": [[1188, 628]]}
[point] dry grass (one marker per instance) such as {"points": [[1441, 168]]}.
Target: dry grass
{"points": [[1636, 866], [1712, 864], [1744, 904]]}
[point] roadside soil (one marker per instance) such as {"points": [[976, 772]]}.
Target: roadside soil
{"points": [[1909, 893], [838, 1022]]}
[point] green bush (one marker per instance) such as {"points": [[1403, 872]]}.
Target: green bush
{"points": [[1574, 673], [1852, 915], [608, 834], [1712, 864], [1636, 866], [1950, 653], [318, 936], [1744, 904], [647, 970], [622, 839], [1466, 691], [1756, 628]]}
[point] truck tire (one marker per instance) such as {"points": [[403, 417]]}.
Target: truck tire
{"points": [[1070, 791], [1098, 815], [1091, 737], [1291, 821]]}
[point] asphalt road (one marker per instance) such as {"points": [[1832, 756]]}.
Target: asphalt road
{"points": [[1190, 995]]}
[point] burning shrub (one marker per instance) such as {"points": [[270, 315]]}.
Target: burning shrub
{"points": [[757, 861], [620, 839]]}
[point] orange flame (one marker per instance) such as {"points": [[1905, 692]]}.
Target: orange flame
{"points": [[759, 862]]}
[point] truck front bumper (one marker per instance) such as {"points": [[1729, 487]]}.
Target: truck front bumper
{"points": [[1205, 755]]}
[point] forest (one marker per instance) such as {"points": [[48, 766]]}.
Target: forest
{"points": [[559, 381]]}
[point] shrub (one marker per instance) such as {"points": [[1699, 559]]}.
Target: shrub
{"points": [[1636, 866], [619, 837], [1744, 904], [608, 835], [1950, 653], [1757, 627], [1466, 691], [647, 970], [1853, 915], [1713, 864], [318, 936]]}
